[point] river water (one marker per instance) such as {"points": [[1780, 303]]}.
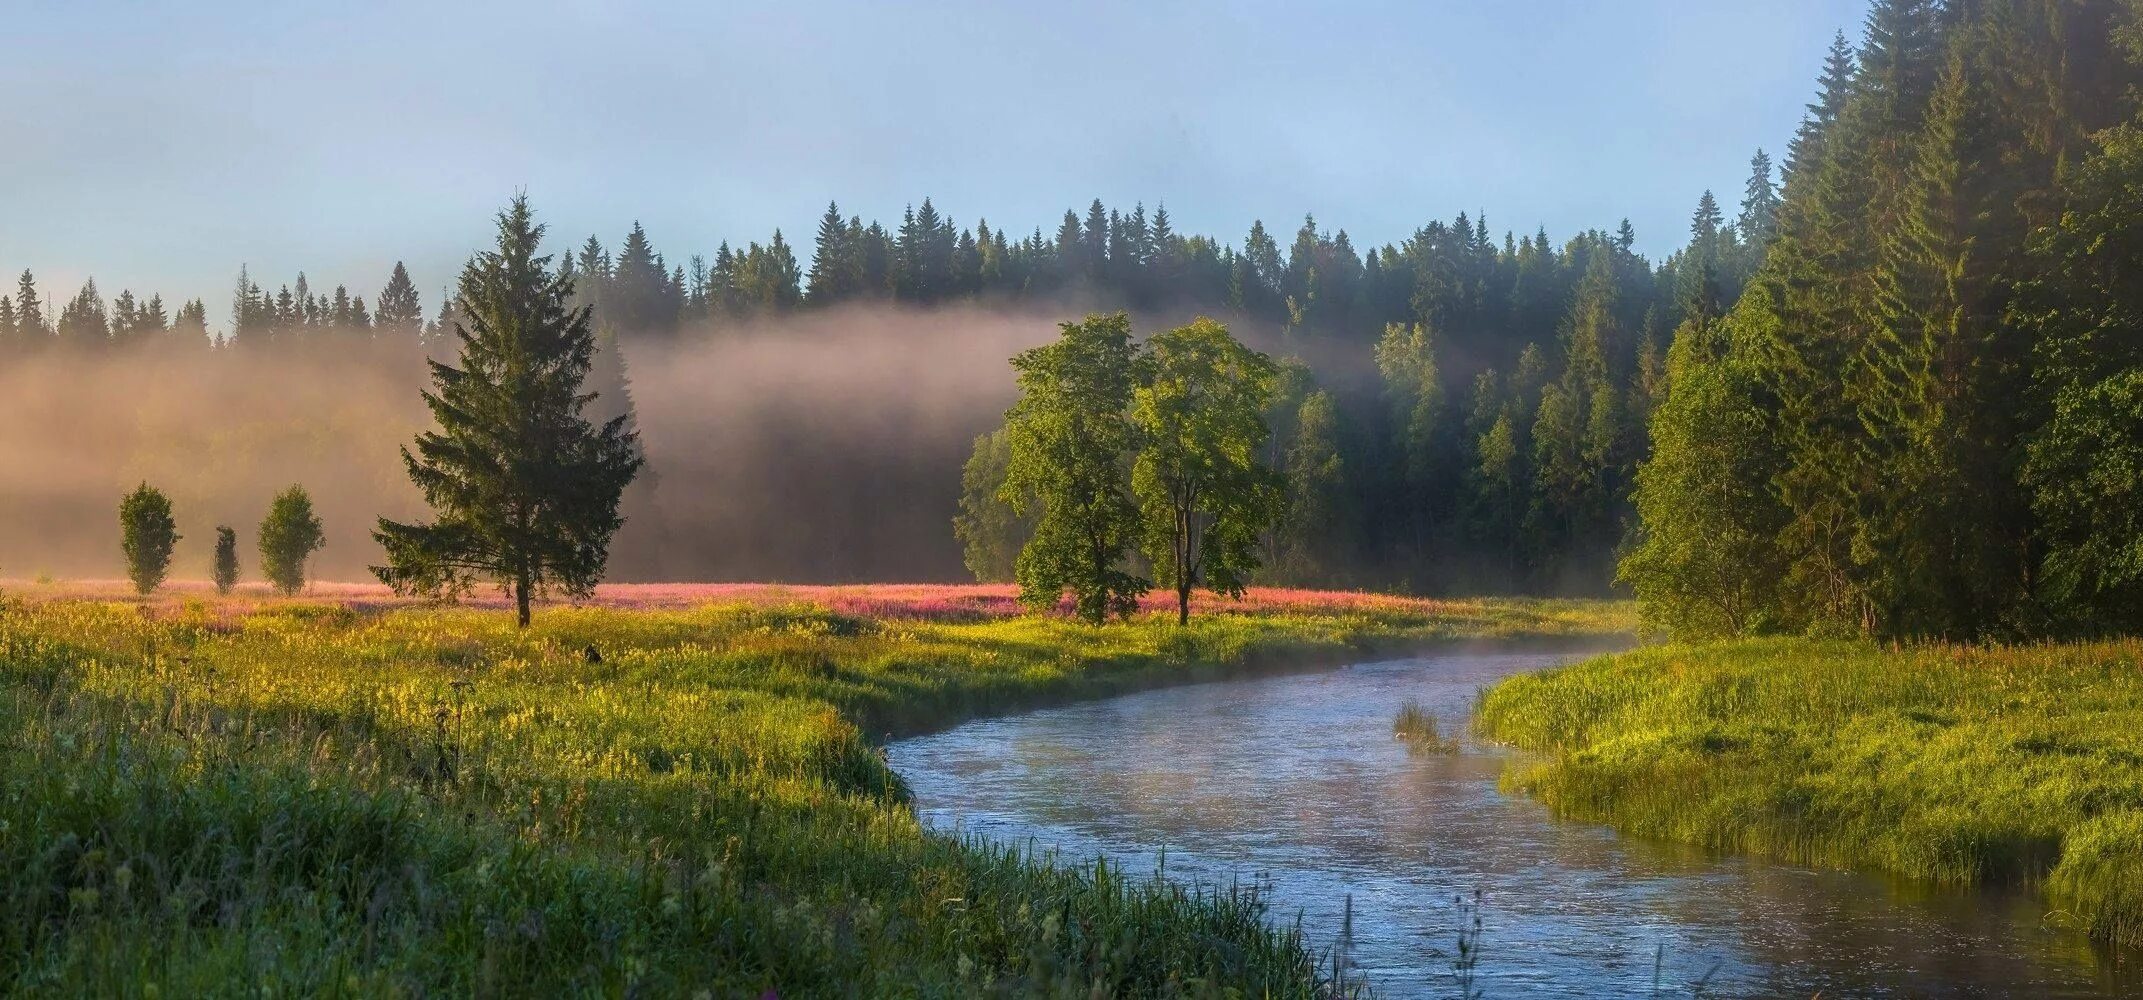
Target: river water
{"points": [[1295, 783]]}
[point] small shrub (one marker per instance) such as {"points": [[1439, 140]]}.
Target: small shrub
{"points": [[147, 534]]}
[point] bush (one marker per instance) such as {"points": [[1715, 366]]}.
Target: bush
{"points": [[289, 535], [147, 534]]}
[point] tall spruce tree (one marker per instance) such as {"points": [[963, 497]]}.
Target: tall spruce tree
{"points": [[398, 314], [524, 488]]}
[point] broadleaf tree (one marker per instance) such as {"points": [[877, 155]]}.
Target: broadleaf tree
{"points": [[1071, 439], [147, 535], [523, 486], [1204, 492], [289, 536]]}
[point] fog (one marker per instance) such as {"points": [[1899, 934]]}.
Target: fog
{"points": [[822, 448], [818, 449]]}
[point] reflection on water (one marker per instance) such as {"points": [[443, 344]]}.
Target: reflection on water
{"points": [[1297, 782]]}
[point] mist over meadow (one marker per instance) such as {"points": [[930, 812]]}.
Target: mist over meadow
{"points": [[817, 448]]}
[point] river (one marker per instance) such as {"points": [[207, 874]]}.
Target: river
{"points": [[1295, 783]]}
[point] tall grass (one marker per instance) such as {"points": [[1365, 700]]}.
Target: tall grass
{"points": [[1957, 764], [1416, 727], [288, 797]]}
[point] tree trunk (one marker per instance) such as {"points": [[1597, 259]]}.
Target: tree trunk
{"points": [[520, 599], [1183, 603]]}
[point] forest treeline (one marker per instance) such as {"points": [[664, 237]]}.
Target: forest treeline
{"points": [[1458, 412], [1921, 418]]}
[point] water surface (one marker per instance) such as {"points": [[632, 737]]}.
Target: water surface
{"points": [[1295, 782]]}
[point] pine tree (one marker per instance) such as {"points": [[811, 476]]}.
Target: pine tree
{"points": [[524, 487]]}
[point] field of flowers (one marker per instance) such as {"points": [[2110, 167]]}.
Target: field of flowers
{"points": [[673, 791], [909, 601]]}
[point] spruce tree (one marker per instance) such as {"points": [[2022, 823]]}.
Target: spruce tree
{"points": [[399, 312], [524, 488]]}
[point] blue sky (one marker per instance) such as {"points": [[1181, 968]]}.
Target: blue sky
{"points": [[160, 145]]}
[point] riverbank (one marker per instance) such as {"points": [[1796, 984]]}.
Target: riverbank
{"points": [[328, 797], [1960, 765]]}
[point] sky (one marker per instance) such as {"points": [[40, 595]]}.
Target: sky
{"points": [[160, 145]]}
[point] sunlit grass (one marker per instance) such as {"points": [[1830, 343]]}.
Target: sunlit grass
{"points": [[1956, 764], [319, 798], [1416, 727]]}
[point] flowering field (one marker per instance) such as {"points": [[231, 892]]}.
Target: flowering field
{"points": [[902, 601]]}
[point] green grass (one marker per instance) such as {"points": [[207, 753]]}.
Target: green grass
{"points": [[296, 798], [1961, 765], [1416, 727]]}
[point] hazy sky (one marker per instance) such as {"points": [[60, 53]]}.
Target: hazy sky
{"points": [[160, 145]]}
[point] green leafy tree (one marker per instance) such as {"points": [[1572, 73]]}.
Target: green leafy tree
{"points": [[226, 564], [1706, 557], [289, 536], [1315, 471], [1071, 438], [147, 535], [990, 531], [524, 487], [1203, 490], [2084, 467]]}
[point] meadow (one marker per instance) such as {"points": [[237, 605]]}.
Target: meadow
{"points": [[668, 791], [1957, 764]]}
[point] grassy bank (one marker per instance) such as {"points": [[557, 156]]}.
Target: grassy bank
{"points": [[1956, 764], [320, 798]]}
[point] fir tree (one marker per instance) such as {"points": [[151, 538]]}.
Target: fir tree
{"points": [[524, 487]]}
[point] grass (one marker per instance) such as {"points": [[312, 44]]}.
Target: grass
{"points": [[357, 797], [1961, 765], [1416, 727]]}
